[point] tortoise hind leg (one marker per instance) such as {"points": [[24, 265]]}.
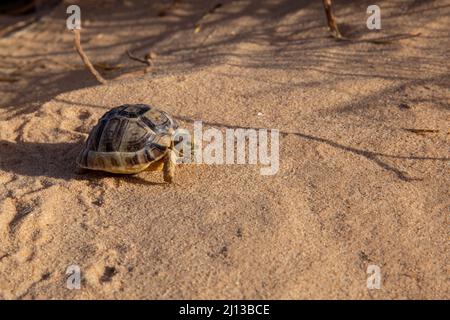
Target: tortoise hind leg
{"points": [[169, 166]]}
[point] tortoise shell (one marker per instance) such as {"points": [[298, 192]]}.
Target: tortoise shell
{"points": [[127, 139]]}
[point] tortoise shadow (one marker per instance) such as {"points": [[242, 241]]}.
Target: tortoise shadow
{"points": [[53, 160]]}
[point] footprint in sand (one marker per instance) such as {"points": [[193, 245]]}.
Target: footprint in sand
{"points": [[87, 122], [105, 270], [23, 209], [108, 274]]}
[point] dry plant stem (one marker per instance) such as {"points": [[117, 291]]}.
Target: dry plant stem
{"points": [[85, 58], [147, 60], [331, 19], [334, 30], [133, 57], [421, 131]]}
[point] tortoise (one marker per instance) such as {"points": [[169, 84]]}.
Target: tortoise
{"points": [[132, 138]]}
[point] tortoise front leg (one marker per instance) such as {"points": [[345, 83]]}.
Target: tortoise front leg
{"points": [[170, 162], [331, 19]]}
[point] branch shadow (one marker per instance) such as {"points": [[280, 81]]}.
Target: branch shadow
{"points": [[375, 157], [291, 32]]}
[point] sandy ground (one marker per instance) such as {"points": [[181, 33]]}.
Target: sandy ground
{"points": [[355, 186]]}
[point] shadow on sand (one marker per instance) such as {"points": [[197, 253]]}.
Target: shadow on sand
{"points": [[53, 160]]}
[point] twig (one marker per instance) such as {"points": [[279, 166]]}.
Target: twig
{"points": [[85, 58], [331, 19], [421, 131], [133, 57], [148, 59], [334, 30]]}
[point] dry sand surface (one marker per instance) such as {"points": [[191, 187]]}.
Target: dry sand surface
{"points": [[355, 186]]}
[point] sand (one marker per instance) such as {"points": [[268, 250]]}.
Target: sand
{"points": [[355, 187]]}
